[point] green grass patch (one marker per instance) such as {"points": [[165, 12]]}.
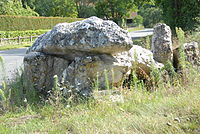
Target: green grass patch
{"points": [[171, 110], [135, 28], [7, 47]]}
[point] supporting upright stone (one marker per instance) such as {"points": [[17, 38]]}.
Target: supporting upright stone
{"points": [[162, 43]]}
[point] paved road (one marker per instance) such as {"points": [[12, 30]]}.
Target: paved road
{"points": [[141, 33], [13, 59]]}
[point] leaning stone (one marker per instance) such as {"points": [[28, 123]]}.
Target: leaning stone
{"points": [[143, 58], [101, 72], [162, 43]]}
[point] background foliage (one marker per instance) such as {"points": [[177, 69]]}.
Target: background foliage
{"points": [[27, 33], [15, 7], [115, 10], [85, 8], [13, 23], [175, 13], [181, 13], [62, 8], [151, 15], [138, 20]]}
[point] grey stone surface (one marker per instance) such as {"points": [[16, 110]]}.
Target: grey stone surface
{"points": [[143, 58], [86, 37], [102, 70], [39, 70], [106, 70], [162, 43], [192, 52], [88, 72], [87, 54]]}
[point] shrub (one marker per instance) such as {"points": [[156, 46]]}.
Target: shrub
{"points": [[13, 34], [151, 16], [182, 13], [138, 20], [13, 23], [10, 7]]}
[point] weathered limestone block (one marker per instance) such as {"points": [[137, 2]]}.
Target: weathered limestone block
{"points": [[39, 69], [162, 43], [81, 38], [106, 70], [102, 70], [191, 51], [143, 58]]}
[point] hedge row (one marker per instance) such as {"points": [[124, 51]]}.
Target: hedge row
{"points": [[27, 33], [14, 23]]}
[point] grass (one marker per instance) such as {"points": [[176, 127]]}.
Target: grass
{"points": [[7, 47], [144, 42], [169, 109], [132, 29], [174, 110]]}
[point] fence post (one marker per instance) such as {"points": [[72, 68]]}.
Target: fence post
{"points": [[31, 39], [18, 41], [8, 41]]}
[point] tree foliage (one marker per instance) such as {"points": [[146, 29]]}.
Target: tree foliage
{"points": [[151, 15], [85, 8], [138, 20], [117, 10], [114, 9], [20, 23], [15, 7], [181, 13], [62, 8]]}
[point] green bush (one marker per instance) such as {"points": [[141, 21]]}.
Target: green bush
{"points": [[183, 13], [13, 7], [13, 34], [138, 20], [14, 23], [152, 15]]}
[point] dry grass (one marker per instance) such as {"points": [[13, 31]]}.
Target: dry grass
{"points": [[169, 110]]}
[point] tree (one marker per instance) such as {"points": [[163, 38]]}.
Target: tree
{"points": [[15, 7], [138, 20], [63, 8], [116, 10], [181, 13], [151, 15], [85, 8], [30, 3]]}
